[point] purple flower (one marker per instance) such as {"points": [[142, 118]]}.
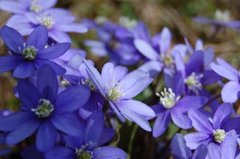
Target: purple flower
{"points": [[89, 144], [158, 52], [180, 150], [58, 22], [214, 132], [116, 42], [230, 91], [45, 111], [28, 56], [172, 106], [24, 6], [119, 87]]}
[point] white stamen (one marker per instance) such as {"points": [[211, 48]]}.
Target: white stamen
{"points": [[35, 6], [44, 108], [222, 15], [127, 22], [114, 93], [219, 135], [47, 20], [193, 82], [168, 98]]}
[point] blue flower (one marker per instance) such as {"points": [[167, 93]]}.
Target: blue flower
{"points": [[45, 111], [217, 132], [119, 87], [24, 6], [89, 144], [28, 56]]}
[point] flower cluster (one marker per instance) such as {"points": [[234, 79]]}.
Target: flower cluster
{"points": [[71, 110]]}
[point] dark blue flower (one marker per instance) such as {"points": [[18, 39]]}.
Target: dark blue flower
{"points": [[89, 144], [45, 111], [28, 56]]}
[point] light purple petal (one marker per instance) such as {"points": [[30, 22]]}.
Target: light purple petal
{"points": [[115, 108], [24, 70], [229, 146], [200, 152], [200, 121], [57, 68], [193, 140], [179, 148], [214, 151], [59, 36], [165, 40], [152, 67], [230, 92], [223, 112], [191, 102], [161, 123], [147, 50], [180, 119], [74, 27], [225, 70], [134, 83], [47, 4], [133, 116], [108, 152], [96, 47], [13, 6]]}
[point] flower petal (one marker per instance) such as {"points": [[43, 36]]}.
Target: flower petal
{"points": [[179, 148], [72, 99], [230, 92], [67, 123], [22, 132], [223, 112], [28, 94], [24, 70], [191, 102], [108, 152], [152, 67], [38, 38], [13, 6], [8, 63], [134, 83], [12, 121], [94, 127], [12, 39], [145, 49], [47, 83], [161, 123], [200, 121], [229, 145], [46, 136], [200, 152], [180, 119], [214, 151], [193, 140], [74, 27], [59, 36], [165, 40], [54, 51], [60, 153], [57, 68]]}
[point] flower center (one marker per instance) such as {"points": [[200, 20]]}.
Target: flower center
{"points": [[44, 108], [167, 59], [29, 53], [89, 83], [222, 15], [193, 81], [47, 20], [35, 7], [127, 22], [85, 151], [168, 98], [219, 135], [114, 93]]}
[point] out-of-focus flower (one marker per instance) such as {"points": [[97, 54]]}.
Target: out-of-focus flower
{"points": [[45, 111], [57, 21], [119, 87], [180, 150], [159, 53], [171, 106], [26, 56], [214, 132], [230, 91], [221, 19], [116, 41], [89, 144], [24, 6]]}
